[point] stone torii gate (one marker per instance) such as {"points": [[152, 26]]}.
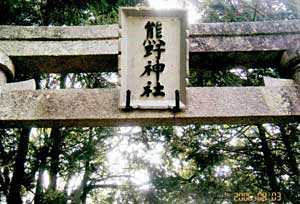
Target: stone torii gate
{"points": [[95, 49]]}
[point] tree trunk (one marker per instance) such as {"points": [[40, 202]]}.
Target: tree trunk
{"points": [[88, 171], [39, 188], [42, 166], [269, 164], [292, 194], [57, 140], [292, 162], [14, 196], [85, 187], [3, 181], [4, 177]]}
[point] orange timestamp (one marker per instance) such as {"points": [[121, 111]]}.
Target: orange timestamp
{"points": [[258, 197]]}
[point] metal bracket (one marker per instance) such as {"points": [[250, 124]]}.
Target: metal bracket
{"points": [[127, 106], [176, 108]]}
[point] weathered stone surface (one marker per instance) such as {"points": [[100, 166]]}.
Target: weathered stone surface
{"points": [[291, 57], [99, 107], [18, 86], [59, 32], [269, 81], [84, 49], [3, 79], [59, 48], [243, 43], [290, 61], [245, 36], [7, 67], [38, 46], [245, 28]]}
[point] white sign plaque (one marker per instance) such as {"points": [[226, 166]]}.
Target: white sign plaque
{"points": [[153, 59]]}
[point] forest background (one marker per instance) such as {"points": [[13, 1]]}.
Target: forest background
{"points": [[148, 165]]}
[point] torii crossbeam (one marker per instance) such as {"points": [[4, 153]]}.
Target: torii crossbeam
{"points": [[95, 48]]}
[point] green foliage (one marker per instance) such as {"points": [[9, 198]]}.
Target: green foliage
{"points": [[106, 12], [250, 10], [57, 12], [233, 77], [53, 197]]}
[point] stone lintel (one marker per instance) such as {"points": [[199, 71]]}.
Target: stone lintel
{"points": [[245, 28], [52, 49], [111, 31], [57, 33], [99, 107]]}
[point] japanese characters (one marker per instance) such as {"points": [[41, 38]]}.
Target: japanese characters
{"points": [[154, 48]]}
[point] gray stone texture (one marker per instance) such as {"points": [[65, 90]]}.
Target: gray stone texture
{"points": [[94, 48], [7, 68], [99, 107]]}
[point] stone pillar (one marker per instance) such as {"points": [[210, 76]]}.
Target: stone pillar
{"points": [[3, 79], [296, 74], [290, 62], [7, 69]]}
